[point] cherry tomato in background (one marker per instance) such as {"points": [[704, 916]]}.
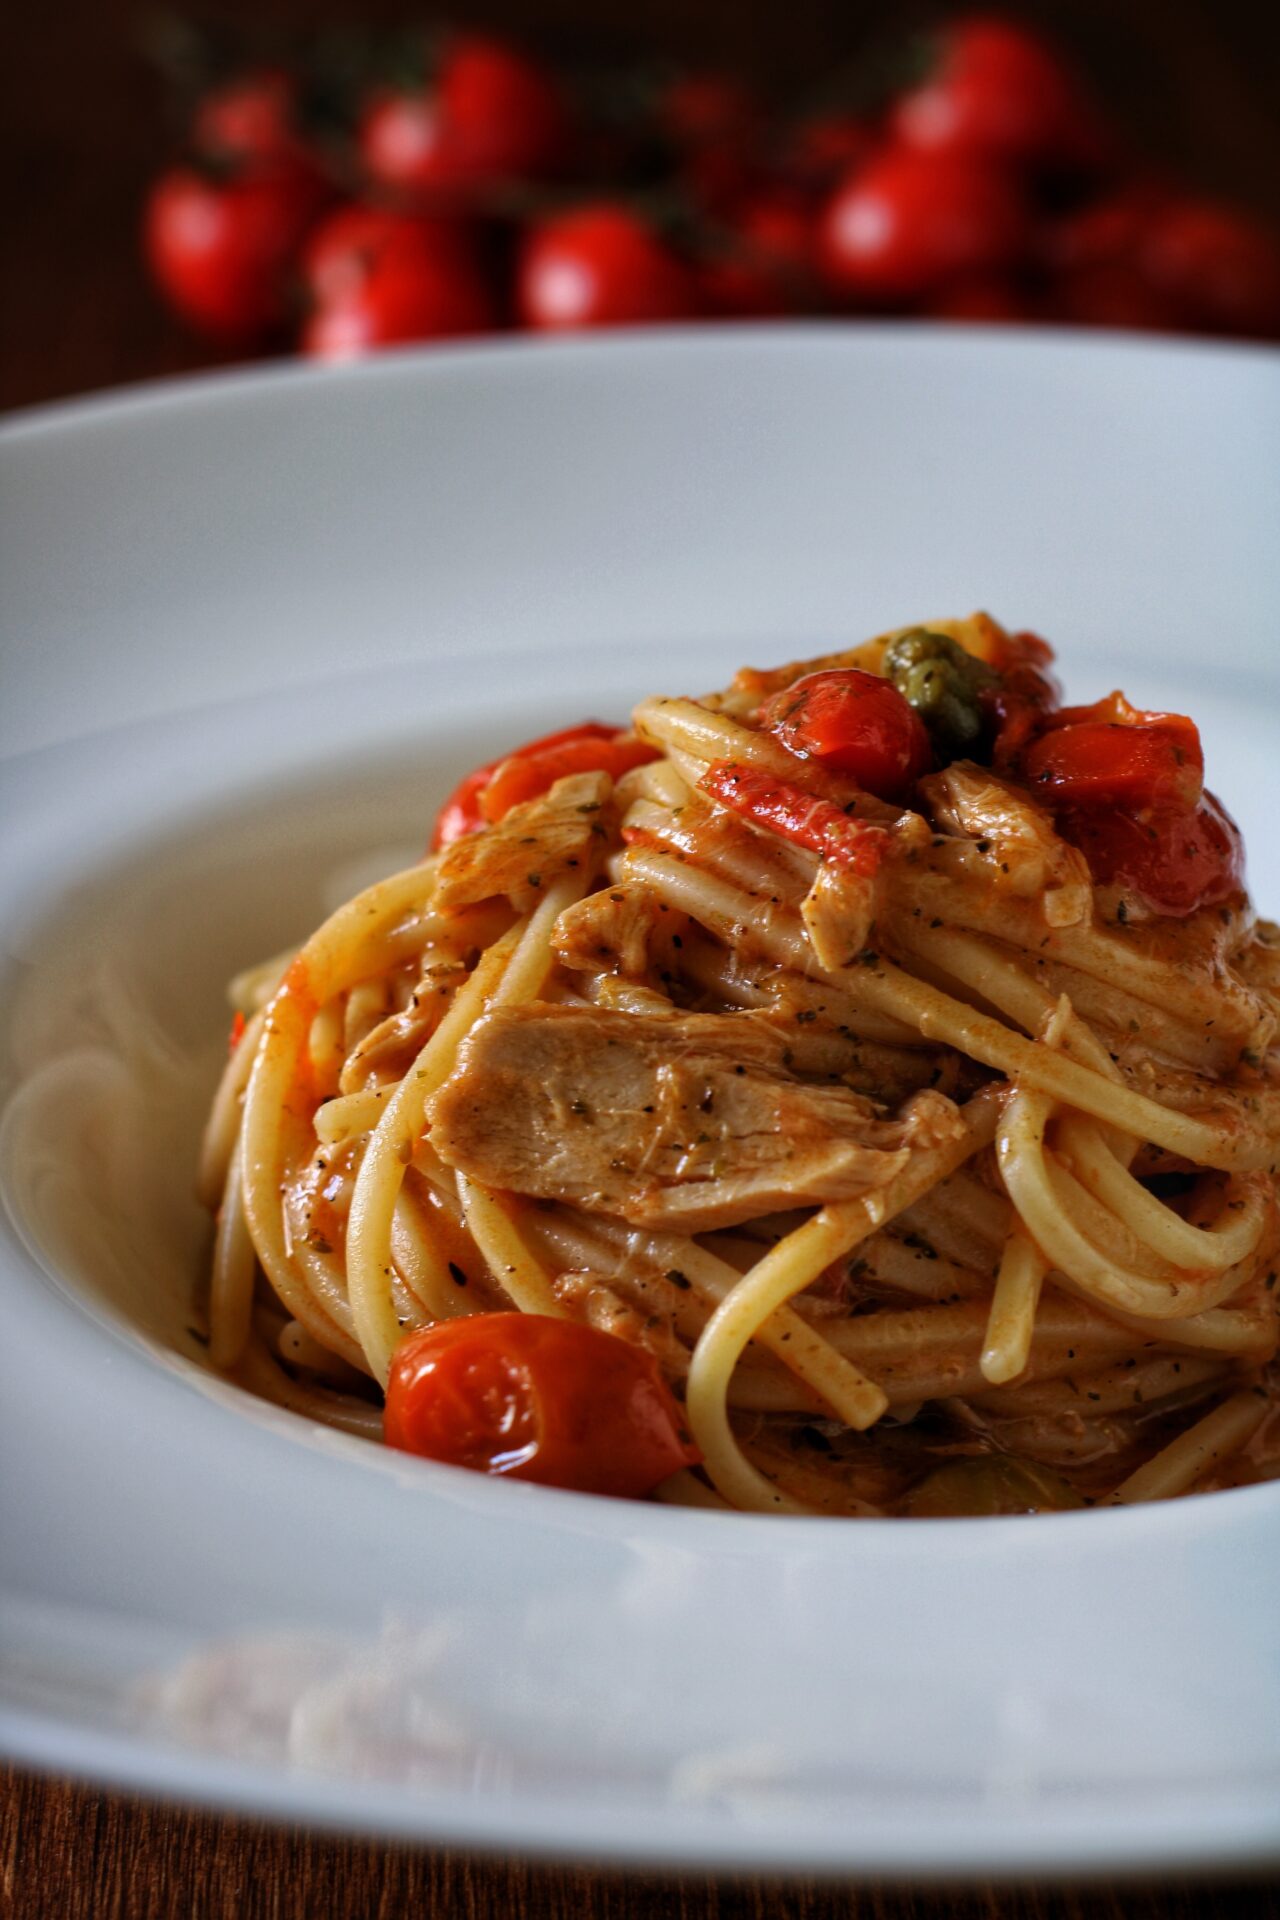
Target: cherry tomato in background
{"points": [[223, 250], [537, 1399], [599, 266], [349, 241], [492, 116], [1217, 267], [405, 295], [907, 223], [999, 91], [852, 723], [1175, 859]]}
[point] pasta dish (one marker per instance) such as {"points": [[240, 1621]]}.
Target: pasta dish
{"points": [[852, 1092]]}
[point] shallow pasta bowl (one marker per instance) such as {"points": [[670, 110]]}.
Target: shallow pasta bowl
{"points": [[254, 627]]}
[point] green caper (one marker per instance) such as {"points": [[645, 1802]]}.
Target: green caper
{"points": [[944, 684], [987, 1484]]}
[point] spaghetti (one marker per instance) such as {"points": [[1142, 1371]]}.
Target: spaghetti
{"points": [[878, 1050]]}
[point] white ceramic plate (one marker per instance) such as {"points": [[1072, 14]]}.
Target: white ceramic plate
{"points": [[254, 626]]}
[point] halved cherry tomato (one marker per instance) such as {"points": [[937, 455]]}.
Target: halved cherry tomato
{"points": [[486, 795], [1176, 859], [855, 723], [1113, 754], [795, 815], [525, 775], [537, 1399]]}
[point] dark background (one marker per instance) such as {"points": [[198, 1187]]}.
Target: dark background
{"points": [[1196, 81]]}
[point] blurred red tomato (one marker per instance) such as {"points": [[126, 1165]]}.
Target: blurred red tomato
{"points": [[1218, 266], [386, 285], [222, 251], [999, 90], [601, 266], [909, 222], [1111, 293], [347, 244], [492, 116]]}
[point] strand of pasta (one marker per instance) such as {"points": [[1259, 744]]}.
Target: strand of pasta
{"points": [[1232, 1238], [840, 1387], [938, 1016], [265, 1377], [277, 1100], [941, 1017], [1119, 1387], [505, 1250], [235, 1266], [222, 1129], [1177, 1467], [509, 971], [791, 1266]]}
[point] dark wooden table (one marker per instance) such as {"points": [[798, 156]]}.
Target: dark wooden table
{"points": [[84, 128]]}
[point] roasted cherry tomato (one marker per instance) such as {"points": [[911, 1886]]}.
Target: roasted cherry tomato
{"points": [[856, 724], [537, 1399], [582, 749], [787, 810], [1115, 755], [1175, 859], [526, 775], [908, 222], [601, 266], [997, 89], [492, 116]]}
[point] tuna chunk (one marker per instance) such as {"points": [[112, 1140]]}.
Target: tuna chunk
{"points": [[685, 1122], [537, 843]]}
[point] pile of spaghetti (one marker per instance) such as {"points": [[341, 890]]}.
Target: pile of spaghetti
{"points": [[852, 1092]]}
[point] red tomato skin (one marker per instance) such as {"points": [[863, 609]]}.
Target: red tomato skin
{"points": [[601, 266], [493, 116], [347, 244], [1175, 859], [853, 723], [1217, 266], [999, 91], [406, 293], [223, 252], [1154, 760], [787, 810], [907, 223], [462, 813], [533, 1398], [527, 775]]}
